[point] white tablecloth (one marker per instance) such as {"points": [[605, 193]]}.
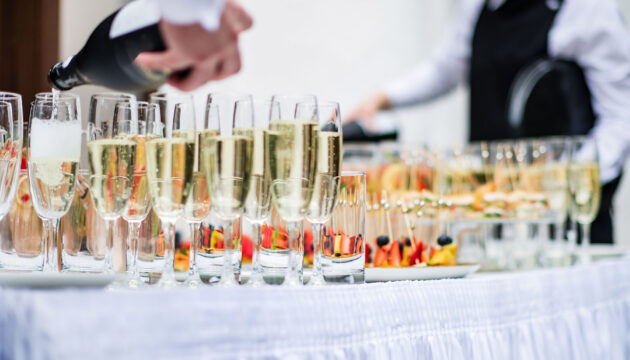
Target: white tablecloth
{"points": [[572, 313]]}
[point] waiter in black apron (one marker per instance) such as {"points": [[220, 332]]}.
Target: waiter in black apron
{"points": [[571, 56]]}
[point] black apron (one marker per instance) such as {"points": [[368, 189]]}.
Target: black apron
{"points": [[506, 41]]}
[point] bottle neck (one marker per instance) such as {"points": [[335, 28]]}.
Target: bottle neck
{"points": [[65, 75]]}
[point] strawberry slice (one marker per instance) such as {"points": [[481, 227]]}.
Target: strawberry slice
{"points": [[380, 258], [393, 258], [267, 234], [247, 247]]}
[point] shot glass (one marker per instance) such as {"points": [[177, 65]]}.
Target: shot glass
{"points": [[21, 232], [343, 238]]}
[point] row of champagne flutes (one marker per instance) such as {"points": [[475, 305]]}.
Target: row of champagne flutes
{"points": [[244, 156], [544, 180]]}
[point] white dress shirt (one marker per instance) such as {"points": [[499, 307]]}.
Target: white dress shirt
{"points": [[205, 12], [591, 33]]}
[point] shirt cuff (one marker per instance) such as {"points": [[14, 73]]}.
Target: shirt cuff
{"points": [[207, 13], [397, 93]]}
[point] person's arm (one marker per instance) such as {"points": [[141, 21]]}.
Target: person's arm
{"points": [[200, 35], [432, 78], [594, 35]]}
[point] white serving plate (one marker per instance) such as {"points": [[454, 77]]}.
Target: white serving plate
{"points": [[53, 280], [376, 274]]}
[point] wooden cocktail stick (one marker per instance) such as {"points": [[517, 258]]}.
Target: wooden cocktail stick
{"points": [[387, 216]]}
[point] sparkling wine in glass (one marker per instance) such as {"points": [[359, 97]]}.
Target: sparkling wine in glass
{"points": [[292, 158], [111, 160], [139, 203], [251, 119], [227, 163], [170, 165], [554, 156], [326, 186], [197, 205], [584, 187], [53, 161]]}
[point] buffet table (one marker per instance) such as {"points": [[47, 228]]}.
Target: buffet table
{"points": [[572, 313]]}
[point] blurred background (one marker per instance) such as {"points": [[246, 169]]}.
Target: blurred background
{"points": [[341, 50]]}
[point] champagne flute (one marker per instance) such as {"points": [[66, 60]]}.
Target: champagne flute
{"points": [[288, 103], [139, 203], [227, 164], [251, 119], [170, 163], [197, 204], [11, 129], [584, 187], [293, 164], [327, 178], [554, 153], [111, 160], [53, 161], [225, 104]]}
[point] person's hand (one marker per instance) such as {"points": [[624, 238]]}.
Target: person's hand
{"points": [[368, 108], [209, 55]]}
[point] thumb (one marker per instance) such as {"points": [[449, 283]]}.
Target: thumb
{"points": [[162, 60]]}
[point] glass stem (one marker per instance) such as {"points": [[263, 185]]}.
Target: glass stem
{"points": [[317, 250], [227, 274], [47, 240], [109, 245], [296, 254], [168, 274], [559, 233], [586, 240], [132, 248], [192, 254], [256, 239], [52, 258]]}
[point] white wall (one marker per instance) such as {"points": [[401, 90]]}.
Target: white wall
{"points": [[337, 49], [344, 50]]}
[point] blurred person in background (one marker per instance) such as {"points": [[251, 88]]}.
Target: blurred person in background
{"points": [[578, 52], [200, 35]]}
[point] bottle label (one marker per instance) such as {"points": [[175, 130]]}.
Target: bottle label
{"points": [[134, 16]]}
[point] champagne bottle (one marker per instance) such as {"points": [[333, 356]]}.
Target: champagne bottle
{"points": [[107, 57]]}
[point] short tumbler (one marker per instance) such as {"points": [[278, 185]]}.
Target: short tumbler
{"points": [[343, 238]]}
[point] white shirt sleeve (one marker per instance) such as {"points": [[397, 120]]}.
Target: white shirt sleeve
{"points": [[593, 34], [205, 12], [446, 70]]}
